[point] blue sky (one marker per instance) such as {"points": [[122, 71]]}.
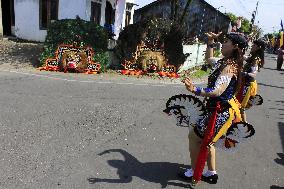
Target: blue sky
{"points": [[270, 12]]}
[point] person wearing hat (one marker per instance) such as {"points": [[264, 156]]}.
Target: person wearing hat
{"points": [[223, 83], [249, 86], [280, 57]]}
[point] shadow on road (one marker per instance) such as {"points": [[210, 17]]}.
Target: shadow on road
{"points": [[277, 109], [281, 133], [276, 187], [269, 68], [280, 160], [270, 86], [155, 172]]}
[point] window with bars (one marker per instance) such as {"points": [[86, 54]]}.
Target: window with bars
{"points": [[48, 10], [128, 13]]}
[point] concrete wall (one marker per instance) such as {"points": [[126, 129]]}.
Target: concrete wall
{"points": [[120, 15], [27, 15], [27, 20], [196, 58]]}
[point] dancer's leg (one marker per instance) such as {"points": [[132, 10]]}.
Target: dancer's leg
{"points": [[194, 146], [211, 160]]}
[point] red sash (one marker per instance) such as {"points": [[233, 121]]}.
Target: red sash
{"points": [[203, 152]]}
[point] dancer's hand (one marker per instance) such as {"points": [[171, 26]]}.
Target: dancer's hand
{"points": [[188, 84], [211, 36]]}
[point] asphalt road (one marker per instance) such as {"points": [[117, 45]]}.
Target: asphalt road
{"points": [[92, 132]]}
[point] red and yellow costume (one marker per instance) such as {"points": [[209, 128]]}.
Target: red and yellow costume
{"points": [[248, 89]]}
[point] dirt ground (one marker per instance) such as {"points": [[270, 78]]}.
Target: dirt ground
{"points": [[18, 55]]}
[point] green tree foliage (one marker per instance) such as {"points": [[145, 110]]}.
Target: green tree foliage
{"points": [[128, 40], [169, 32], [232, 17], [245, 25], [245, 28], [76, 32]]}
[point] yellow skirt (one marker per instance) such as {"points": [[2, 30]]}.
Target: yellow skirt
{"points": [[235, 116], [251, 91]]}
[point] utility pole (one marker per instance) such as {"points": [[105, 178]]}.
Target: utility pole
{"points": [[253, 16]]}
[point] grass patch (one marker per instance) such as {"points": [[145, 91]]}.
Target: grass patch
{"points": [[199, 73]]}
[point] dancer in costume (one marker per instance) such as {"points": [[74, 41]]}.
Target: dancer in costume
{"points": [[280, 57], [213, 123], [248, 91]]}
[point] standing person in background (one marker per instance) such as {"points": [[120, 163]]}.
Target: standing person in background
{"points": [[280, 57], [249, 86]]}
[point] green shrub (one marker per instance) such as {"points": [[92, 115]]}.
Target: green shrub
{"points": [[104, 60], [74, 32], [150, 31], [128, 40]]}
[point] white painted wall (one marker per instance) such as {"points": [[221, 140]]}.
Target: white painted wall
{"points": [[132, 11], [27, 16], [119, 17], [27, 20], [69, 9], [196, 58]]}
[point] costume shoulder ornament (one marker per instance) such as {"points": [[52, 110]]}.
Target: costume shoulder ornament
{"points": [[237, 133], [187, 109], [254, 101], [230, 67]]}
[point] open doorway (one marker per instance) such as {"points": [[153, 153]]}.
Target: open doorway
{"points": [[109, 19], [8, 17], [109, 14]]}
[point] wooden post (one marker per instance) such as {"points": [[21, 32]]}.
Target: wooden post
{"points": [[1, 23]]}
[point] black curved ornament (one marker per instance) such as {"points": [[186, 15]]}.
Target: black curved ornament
{"points": [[239, 132], [254, 101], [187, 109]]}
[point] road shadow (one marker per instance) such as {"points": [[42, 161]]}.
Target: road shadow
{"points": [[281, 133], [277, 109], [273, 86], [280, 159], [164, 173], [269, 68], [276, 187]]}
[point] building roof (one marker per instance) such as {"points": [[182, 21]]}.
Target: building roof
{"points": [[160, 1]]}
